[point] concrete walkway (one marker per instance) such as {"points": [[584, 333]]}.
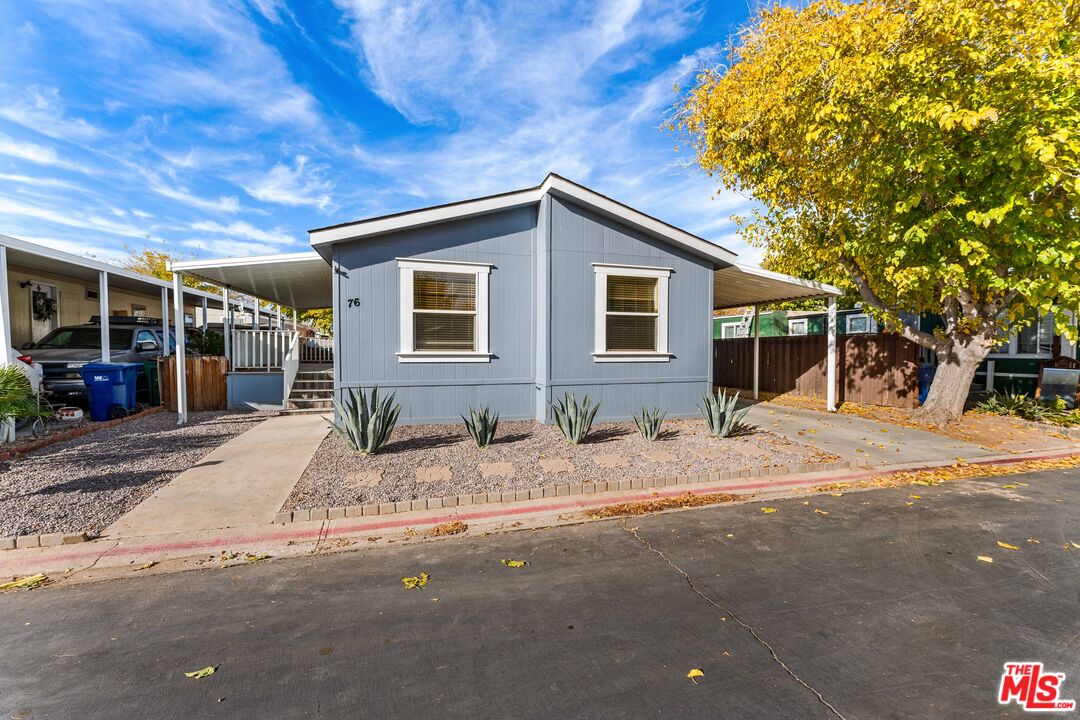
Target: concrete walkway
{"points": [[243, 482], [857, 438]]}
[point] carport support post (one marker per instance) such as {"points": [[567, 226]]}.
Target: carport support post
{"points": [[830, 362], [165, 321], [181, 347], [226, 324], [256, 321], [7, 429], [103, 313], [757, 349], [205, 319]]}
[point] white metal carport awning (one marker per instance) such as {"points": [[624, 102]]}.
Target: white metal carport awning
{"points": [[745, 285], [297, 280]]}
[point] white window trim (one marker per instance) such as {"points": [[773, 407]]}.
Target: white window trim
{"points": [[1014, 345], [407, 353], [858, 316], [600, 351], [796, 322], [735, 333]]}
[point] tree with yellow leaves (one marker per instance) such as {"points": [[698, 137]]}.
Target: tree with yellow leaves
{"points": [[924, 152]]}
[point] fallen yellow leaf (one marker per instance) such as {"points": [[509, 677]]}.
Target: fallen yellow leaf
{"points": [[768, 510], [415, 582], [915, 497], [250, 557], [1075, 545], [205, 672], [1008, 487], [837, 494], [147, 566], [513, 563], [819, 511], [695, 674], [909, 504], [1022, 484], [26, 583], [986, 559], [1006, 545]]}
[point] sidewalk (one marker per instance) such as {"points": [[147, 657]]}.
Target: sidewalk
{"points": [[856, 438], [108, 558], [241, 483]]}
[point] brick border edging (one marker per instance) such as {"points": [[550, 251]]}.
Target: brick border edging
{"points": [[550, 491], [13, 453], [20, 542]]}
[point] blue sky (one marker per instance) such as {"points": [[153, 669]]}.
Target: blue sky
{"points": [[224, 128]]}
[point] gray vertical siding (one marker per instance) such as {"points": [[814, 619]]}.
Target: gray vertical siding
{"points": [[580, 238], [368, 335], [541, 317]]}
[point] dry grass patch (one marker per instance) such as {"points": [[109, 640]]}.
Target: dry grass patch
{"points": [[644, 507]]}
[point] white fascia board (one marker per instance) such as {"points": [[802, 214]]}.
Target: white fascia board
{"points": [[605, 205], [553, 184], [823, 288], [195, 265], [419, 218]]}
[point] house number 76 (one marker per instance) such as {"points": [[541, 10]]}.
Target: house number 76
{"points": [[354, 302]]}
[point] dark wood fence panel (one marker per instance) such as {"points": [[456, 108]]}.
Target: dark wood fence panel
{"points": [[206, 382], [873, 369]]}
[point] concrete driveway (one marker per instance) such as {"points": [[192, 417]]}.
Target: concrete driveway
{"points": [[858, 438], [878, 609]]}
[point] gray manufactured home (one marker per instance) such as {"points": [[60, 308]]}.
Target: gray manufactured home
{"points": [[512, 300]]}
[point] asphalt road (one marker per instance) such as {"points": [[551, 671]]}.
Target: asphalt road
{"points": [[875, 610]]}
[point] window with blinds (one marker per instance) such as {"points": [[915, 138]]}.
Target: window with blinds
{"points": [[631, 314], [444, 311]]}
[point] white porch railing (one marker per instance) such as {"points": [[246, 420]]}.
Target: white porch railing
{"points": [[259, 349], [317, 350], [290, 366]]}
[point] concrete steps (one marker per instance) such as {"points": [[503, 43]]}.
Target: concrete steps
{"points": [[312, 391]]}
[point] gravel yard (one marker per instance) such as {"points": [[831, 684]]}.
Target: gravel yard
{"points": [[423, 461], [89, 482]]}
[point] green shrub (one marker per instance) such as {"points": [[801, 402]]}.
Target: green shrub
{"points": [[481, 426], [1020, 405], [574, 420], [17, 398], [365, 425], [720, 413], [649, 422]]}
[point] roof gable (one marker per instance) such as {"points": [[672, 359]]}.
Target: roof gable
{"points": [[323, 238]]}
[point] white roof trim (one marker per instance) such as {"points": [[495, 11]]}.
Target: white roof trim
{"points": [[60, 256], [554, 184], [193, 265], [823, 288]]}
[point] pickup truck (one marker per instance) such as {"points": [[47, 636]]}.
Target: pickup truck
{"points": [[64, 351]]}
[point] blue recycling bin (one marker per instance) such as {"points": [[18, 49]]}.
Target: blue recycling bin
{"points": [[110, 389], [926, 376]]}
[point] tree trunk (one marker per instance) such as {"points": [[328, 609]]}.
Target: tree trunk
{"points": [[951, 384]]}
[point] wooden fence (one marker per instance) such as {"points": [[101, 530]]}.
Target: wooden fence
{"points": [[874, 369], [206, 389]]}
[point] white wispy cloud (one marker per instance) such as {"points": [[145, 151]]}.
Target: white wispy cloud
{"points": [[223, 204], [41, 110], [38, 181], [35, 153], [245, 230], [296, 185], [81, 220]]}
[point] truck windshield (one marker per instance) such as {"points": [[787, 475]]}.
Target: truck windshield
{"points": [[84, 338]]}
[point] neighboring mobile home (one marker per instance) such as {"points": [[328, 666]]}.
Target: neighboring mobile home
{"points": [[1013, 366], [512, 300]]}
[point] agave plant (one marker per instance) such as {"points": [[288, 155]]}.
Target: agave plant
{"points": [[365, 425], [720, 413], [481, 426], [574, 420], [649, 422]]}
